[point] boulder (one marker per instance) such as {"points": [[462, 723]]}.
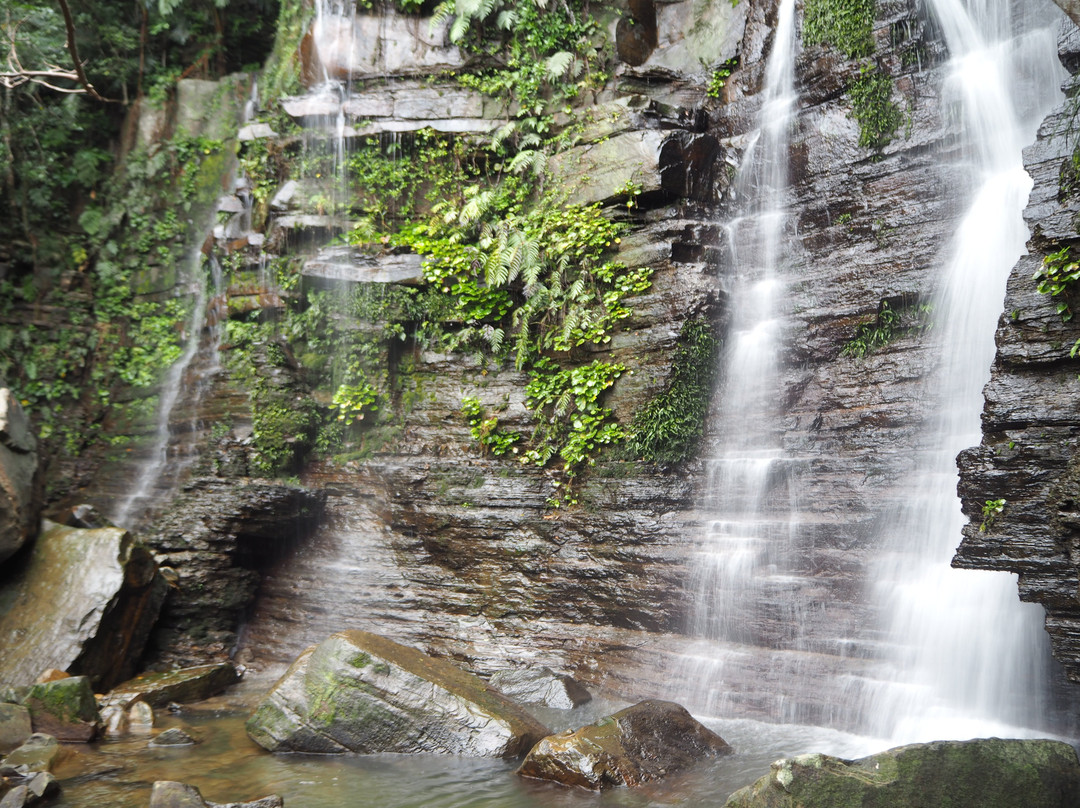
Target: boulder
{"points": [[989, 773], [634, 746], [541, 686], [14, 726], [64, 708], [171, 794], [20, 500], [85, 602], [359, 692], [181, 685], [38, 754]]}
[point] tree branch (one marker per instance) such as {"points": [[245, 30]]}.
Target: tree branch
{"points": [[69, 24]]}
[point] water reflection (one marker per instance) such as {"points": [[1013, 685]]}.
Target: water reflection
{"points": [[226, 767]]}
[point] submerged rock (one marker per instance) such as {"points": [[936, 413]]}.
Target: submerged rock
{"points": [[359, 692], [989, 773], [171, 794], [541, 686], [64, 708], [20, 501], [85, 603], [637, 745], [38, 754], [16, 798], [174, 736]]}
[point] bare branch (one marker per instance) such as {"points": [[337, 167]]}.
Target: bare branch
{"points": [[69, 24]]}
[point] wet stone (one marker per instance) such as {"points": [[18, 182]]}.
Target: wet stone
{"points": [[15, 726], [541, 686], [989, 773], [181, 685], [64, 708], [16, 798], [39, 753], [174, 736], [634, 746], [359, 692], [44, 785]]}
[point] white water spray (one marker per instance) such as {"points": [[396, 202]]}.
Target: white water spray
{"points": [[969, 658], [743, 556]]}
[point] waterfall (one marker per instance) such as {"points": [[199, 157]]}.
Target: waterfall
{"points": [[741, 572], [176, 389], [969, 659]]}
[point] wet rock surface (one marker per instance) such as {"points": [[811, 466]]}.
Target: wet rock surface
{"points": [[15, 726], [541, 686], [181, 685], [358, 692], [990, 773], [65, 709], [634, 746], [20, 494], [82, 601]]}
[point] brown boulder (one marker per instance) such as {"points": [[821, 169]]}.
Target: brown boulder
{"points": [[634, 746]]}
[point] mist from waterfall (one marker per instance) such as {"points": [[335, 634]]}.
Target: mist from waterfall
{"points": [[967, 658]]}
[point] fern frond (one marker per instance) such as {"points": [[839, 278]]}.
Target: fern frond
{"points": [[558, 64]]}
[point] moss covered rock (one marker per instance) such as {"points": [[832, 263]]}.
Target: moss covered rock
{"points": [[64, 708], [359, 692], [634, 746], [989, 773]]}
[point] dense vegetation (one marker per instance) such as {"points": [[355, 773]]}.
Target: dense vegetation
{"points": [[81, 235]]}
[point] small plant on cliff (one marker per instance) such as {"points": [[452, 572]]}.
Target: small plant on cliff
{"points": [[1056, 277], [668, 428], [991, 509], [486, 430], [873, 108], [848, 25], [719, 78], [889, 324]]}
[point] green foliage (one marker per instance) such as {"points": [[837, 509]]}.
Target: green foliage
{"points": [[545, 51], [719, 77], [668, 428], [573, 421], [991, 509], [889, 324], [1056, 277], [281, 431], [354, 401], [486, 430], [848, 25], [872, 106]]}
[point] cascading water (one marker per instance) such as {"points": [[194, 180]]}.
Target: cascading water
{"points": [[744, 552], [174, 389], [969, 658]]}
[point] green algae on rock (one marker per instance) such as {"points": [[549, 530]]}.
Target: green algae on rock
{"points": [[359, 692], [989, 773], [64, 708]]}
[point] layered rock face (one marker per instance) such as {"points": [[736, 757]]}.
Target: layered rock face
{"points": [[1020, 487], [427, 539]]}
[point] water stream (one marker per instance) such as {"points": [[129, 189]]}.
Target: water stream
{"points": [[968, 659], [744, 570], [162, 464]]}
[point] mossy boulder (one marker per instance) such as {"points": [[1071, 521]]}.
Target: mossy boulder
{"points": [[359, 692], [637, 745], [988, 773], [64, 708]]}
